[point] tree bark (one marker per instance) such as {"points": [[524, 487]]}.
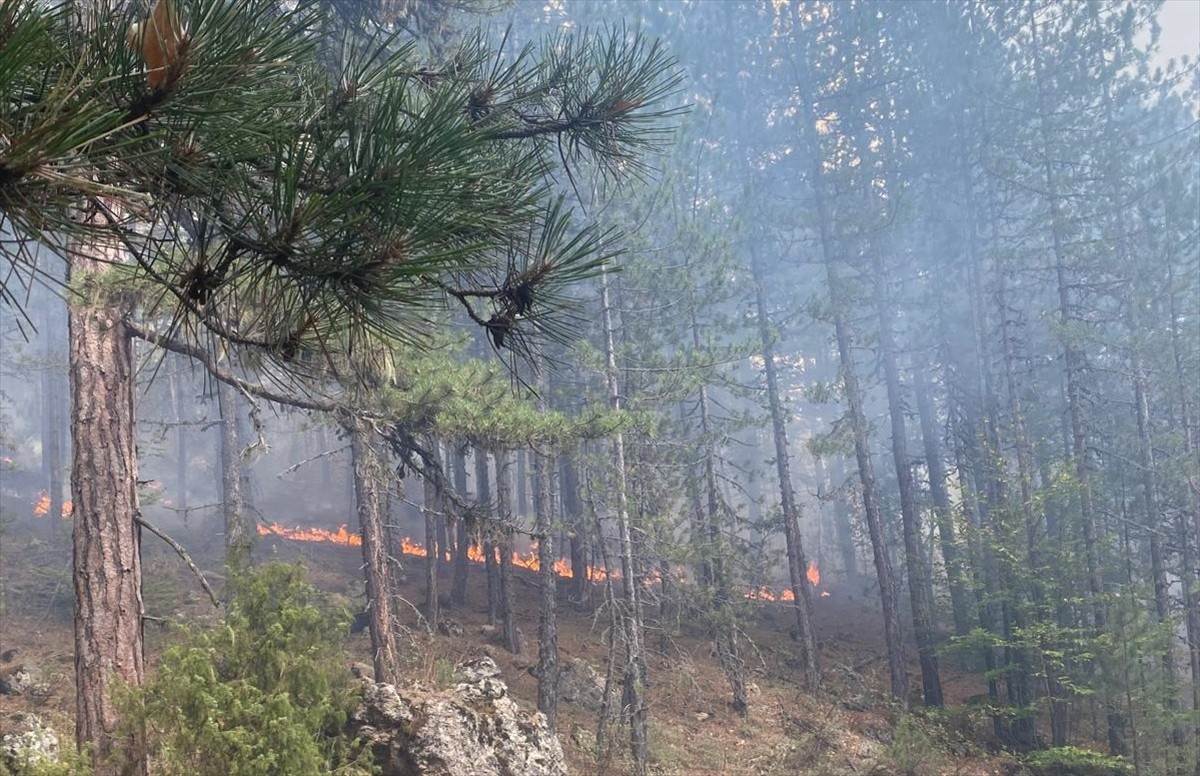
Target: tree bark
{"points": [[237, 539], [369, 475], [106, 537]]}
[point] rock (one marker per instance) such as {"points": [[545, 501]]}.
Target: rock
{"points": [[702, 716], [581, 684], [472, 729], [449, 627], [23, 680], [8, 655], [27, 741], [488, 631]]}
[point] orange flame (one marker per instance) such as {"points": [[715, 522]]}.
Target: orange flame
{"points": [[340, 536], [42, 507], [814, 574], [526, 560]]}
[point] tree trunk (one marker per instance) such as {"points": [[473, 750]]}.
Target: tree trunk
{"points": [[237, 540], [797, 562], [433, 546], [573, 517], [107, 539], [893, 636], [960, 597], [458, 589], [920, 589], [635, 665], [369, 475], [483, 498], [505, 529], [547, 667]]}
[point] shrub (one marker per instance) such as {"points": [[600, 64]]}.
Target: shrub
{"points": [[1073, 761], [264, 693]]}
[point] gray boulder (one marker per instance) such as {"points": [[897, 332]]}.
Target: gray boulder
{"points": [[581, 684], [471, 729]]}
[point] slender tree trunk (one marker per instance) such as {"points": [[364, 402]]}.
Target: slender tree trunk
{"points": [[547, 667], [960, 596], [183, 413], [1154, 526], [106, 537], [458, 590], [797, 561], [635, 667], [369, 475], [433, 545], [920, 589], [505, 528], [237, 540], [573, 517], [487, 532], [893, 636]]}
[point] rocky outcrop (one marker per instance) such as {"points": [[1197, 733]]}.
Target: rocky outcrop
{"points": [[23, 679], [26, 741], [581, 684], [471, 729]]}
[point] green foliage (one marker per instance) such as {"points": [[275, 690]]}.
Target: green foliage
{"points": [[915, 747], [69, 764], [1073, 761], [265, 693]]}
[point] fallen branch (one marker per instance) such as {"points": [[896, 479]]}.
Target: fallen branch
{"points": [[182, 553]]}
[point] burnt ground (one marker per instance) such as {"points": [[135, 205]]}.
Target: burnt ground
{"points": [[848, 728]]}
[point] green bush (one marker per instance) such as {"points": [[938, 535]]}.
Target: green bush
{"points": [[1072, 761], [915, 747], [264, 693]]}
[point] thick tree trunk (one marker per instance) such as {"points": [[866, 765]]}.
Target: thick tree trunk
{"points": [[797, 561], [920, 589], [369, 477], [107, 539]]}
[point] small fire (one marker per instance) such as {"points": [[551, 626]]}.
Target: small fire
{"points": [[42, 507], [340, 536], [814, 574]]}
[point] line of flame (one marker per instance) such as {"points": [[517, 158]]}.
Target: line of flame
{"points": [[526, 560]]}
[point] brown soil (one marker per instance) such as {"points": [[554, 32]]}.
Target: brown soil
{"points": [[848, 729]]}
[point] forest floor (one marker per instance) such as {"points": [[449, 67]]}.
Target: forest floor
{"points": [[850, 727]]}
